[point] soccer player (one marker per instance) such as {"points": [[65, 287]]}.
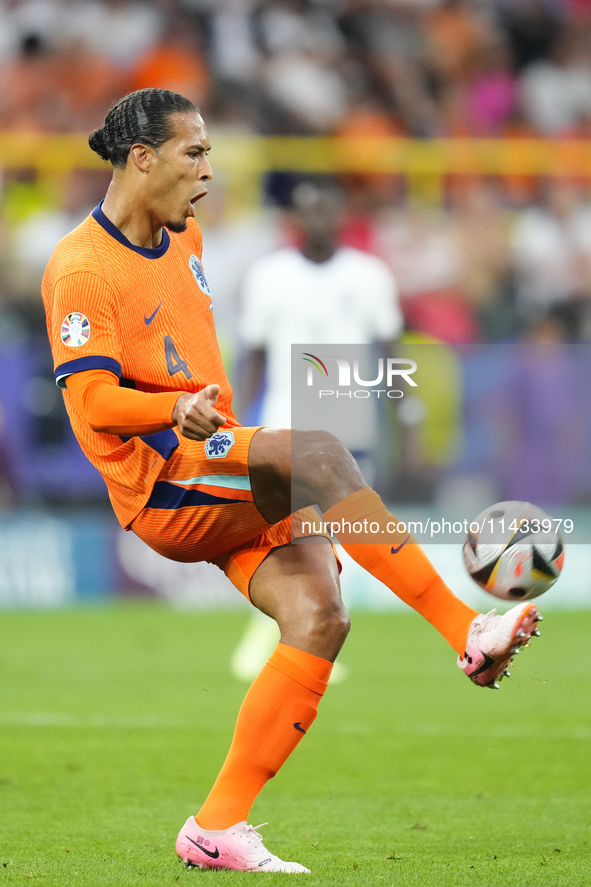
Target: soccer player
{"points": [[135, 351]]}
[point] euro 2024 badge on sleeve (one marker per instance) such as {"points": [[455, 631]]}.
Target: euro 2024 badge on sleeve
{"points": [[75, 329]]}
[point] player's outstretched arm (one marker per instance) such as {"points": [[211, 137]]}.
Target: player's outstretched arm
{"points": [[109, 408], [195, 416]]}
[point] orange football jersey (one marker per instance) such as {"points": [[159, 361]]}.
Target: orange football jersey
{"points": [[145, 315]]}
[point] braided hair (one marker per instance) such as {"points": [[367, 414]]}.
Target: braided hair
{"points": [[142, 116]]}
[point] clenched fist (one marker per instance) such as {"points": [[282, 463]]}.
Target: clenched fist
{"points": [[195, 416]]}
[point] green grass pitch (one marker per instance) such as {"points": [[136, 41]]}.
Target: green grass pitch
{"points": [[114, 722]]}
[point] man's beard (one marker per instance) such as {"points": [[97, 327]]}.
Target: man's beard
{"points": [[176, 227]]}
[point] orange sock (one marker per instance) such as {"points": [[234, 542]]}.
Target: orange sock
{"points": [[400, 563], [277, 711]]}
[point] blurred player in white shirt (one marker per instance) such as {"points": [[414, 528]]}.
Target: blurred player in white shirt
{"points": [[319, 293]]}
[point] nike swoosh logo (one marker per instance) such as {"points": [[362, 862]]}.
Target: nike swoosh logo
{"points": [[207, 852], [299, 727], [396, 550], [148, 320]]}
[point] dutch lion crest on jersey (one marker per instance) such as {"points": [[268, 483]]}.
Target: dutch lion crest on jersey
{"points": [[219, 444], [197, 269]]}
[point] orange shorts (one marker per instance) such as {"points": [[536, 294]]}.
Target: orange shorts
{"points": [[202, 509]]}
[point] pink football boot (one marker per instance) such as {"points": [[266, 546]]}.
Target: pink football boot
{"points": [[493, 640], [239, 847]]}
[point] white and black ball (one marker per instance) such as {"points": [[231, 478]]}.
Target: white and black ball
{"points": [[514, 551]]}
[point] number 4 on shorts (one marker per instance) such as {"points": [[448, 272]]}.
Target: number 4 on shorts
{"points": [[174, 361]]}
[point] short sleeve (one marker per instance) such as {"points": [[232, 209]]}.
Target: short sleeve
{"points": [[84, 328]]}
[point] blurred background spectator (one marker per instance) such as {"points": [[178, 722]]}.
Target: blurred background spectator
{"points": [[551, 246], [477, 257], [315, 291]]}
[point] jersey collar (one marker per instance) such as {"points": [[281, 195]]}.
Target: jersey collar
{"points": [[99, 216]]}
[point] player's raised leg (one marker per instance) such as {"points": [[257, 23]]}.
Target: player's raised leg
{"points": [[292, 469], [298, 586]]}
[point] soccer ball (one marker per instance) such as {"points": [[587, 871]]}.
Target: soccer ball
{"points": [[514, 551]]}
